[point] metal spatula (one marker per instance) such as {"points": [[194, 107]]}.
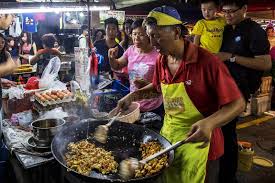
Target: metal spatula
{"points": [[129, 166], [101, 131]]}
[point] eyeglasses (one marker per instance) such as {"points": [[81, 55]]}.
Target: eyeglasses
{"points": [[230, 11]]}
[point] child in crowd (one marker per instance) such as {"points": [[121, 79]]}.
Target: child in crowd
{"points": [[209, 31], [12, 47]]}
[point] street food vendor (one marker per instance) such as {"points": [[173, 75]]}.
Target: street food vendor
{"points": [[43, 56], [199, 96]]}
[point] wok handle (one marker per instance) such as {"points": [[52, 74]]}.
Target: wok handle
{"points": [[172, 147], [113, 119]]}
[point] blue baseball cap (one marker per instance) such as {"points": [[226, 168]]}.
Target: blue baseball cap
{"points": [[166, 15]]}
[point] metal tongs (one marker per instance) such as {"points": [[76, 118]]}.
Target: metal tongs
{"points": [[129, 166], [101, 131]]}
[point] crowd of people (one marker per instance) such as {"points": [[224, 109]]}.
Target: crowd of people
{"points": [[199, 88]]}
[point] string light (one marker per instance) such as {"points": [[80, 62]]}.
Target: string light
{"points": [[52, 9]]}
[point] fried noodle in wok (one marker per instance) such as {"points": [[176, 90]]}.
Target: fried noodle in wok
{"points": [[154, 165], [83, 157]]}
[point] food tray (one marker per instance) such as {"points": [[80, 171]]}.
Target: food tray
{"points": [[48, 98], [40, 108]]}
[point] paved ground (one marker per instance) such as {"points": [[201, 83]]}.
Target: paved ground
{"points": [[262, 135]]}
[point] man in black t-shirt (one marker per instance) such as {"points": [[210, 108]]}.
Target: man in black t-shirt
{"points": [[102, 46], [245, 51]]}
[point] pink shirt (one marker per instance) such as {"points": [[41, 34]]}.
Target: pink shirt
{"points": [[142, 65]]}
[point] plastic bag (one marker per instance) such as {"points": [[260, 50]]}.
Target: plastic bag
{"points": [[75, 86], [55, 113], [50, 73], [16, 92], [24, 119]]}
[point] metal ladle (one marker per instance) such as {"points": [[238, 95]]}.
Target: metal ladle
{"points": [[129, 166], [101, 131]]}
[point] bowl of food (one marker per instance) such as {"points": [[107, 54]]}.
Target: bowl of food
{"points": [[131, 115]]}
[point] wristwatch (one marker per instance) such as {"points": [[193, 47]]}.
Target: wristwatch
{"points": [[232, 58]]}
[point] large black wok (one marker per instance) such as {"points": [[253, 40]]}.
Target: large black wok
{"points": [[124, 141]]}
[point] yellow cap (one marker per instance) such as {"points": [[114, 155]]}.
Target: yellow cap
{"points": [[169, 16]]}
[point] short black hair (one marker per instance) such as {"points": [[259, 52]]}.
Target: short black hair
{"points": [[84, 27], [99, 30], [151, 21], [111, 20], [137, 23], [48, 40], [238, 3], [10, 38], [216, 2], [128, 21]]}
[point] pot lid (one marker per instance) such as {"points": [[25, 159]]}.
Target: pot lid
{"points": [[261, 161]]}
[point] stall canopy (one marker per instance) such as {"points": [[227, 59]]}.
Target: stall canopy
{"points": [[118, 3], [257, 8]]}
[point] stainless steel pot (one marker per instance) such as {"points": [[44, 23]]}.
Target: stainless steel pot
{"points": [[44, 130]]}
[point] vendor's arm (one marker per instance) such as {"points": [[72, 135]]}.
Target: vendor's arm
{"points": [[201, 130], [146, 92], [8, 67], [116, 64], [140, 83], [261, 62]]}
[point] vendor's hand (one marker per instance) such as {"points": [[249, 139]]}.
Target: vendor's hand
{"points": [[140, 83], [200, 132], [7, 83], [113, 53], [124, 103], [224, 56]]}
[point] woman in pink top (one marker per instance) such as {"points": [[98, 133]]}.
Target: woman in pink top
{"points": [[26, 48], [140, 59]]}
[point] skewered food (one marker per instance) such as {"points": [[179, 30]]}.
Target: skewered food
{"points": [[83, 157]]}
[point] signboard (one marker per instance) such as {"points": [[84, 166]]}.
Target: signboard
{"points": [[119, 15], [134, 17]]}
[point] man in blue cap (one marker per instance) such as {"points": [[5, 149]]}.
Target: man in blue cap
{"points": [[199, 96]]}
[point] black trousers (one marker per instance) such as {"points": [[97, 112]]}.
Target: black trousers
{"points": [[229, 161]]}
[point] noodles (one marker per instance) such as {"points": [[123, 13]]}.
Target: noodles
{"points": [[154, 165], [83, 157]]}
